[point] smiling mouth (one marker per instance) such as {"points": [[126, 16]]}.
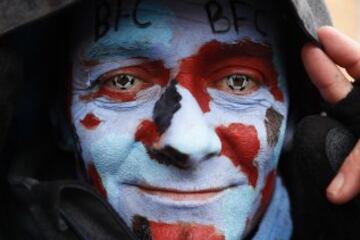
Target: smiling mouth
{"points": [[180, 195]]}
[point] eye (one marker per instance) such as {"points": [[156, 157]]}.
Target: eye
{"points": [[239, 84], [121, 87], [123, 82], [127, 84]]}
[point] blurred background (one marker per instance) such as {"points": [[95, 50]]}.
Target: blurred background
{"points": [[346, 16]]}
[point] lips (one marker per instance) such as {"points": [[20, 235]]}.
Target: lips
{"points": [[181, 195]]}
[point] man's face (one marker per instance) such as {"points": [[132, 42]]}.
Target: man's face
{"points": [[180, 112]]}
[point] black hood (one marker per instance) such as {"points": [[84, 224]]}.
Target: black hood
{"points": [[16, 13]]}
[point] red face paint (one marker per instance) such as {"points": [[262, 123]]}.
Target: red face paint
{"points": [[268, 190], [184, 231], [96, 180], [241, 144], [197, 72], [155, 72], [266, 196], [90, 121], [147, 133], [196, 85]]}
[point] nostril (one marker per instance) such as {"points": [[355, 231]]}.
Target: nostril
{"points": [[170, 156]]}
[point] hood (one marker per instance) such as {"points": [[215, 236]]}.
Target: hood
{"points": [[311, 15], [16, 13]]}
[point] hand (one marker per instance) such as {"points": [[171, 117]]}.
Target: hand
{"points": [[321, 65]]}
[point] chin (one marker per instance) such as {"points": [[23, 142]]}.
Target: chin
{"points": [[224, 213]]}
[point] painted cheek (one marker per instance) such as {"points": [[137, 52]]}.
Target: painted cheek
{"points": [[90, 121], [147, 133], [241, 144], [96, 179]]}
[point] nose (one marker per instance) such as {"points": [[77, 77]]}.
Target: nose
{"points": [[188, 139]]}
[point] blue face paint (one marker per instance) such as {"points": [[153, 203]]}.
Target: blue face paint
{"points": [[116, 87]]}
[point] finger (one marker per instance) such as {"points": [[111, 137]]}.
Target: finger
{"points": [[325, 74], [346, 184], [343, 50]]}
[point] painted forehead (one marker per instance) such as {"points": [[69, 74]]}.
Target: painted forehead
{"points": [[173, 30]]}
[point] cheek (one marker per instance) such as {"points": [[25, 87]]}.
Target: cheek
{"points": [[250, 139], [106, 140], [240, 143]]}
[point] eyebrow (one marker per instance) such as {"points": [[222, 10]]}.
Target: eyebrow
{"points": [[217, 50]]}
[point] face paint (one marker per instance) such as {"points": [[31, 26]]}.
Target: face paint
{"points": [[90, 121], [179, 125], [273, 123], [240, 144], [147, 133], [180, 231]]}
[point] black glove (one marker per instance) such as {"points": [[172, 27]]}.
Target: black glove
{"points": [[320, 146], [347, 111]]}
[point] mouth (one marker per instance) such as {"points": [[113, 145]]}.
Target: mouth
{"points": [[181, 195]]}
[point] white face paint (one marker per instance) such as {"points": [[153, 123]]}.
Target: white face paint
{"points": [[181, 127]]}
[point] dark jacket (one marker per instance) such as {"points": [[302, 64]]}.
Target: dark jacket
{"points": [[43, 197]]}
